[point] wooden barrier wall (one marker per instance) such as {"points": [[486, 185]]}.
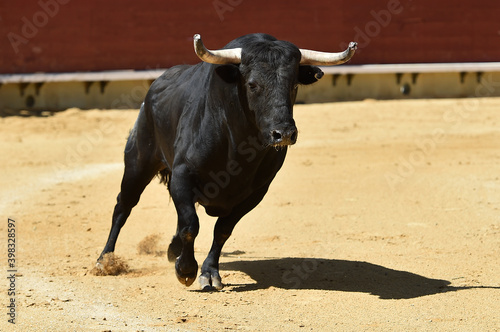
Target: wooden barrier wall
{"points": [[71, 35]]}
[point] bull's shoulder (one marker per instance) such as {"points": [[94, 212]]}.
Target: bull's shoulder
{"points": [[178, 84], [170, 75]]}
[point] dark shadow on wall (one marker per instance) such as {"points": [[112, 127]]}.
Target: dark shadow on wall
{"points": [[337, 275]]}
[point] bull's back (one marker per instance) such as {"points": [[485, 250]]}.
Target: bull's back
{"points": [[169, 92], [173, 97]]}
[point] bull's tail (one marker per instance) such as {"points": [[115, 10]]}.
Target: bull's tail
{"points": [[164, 176]]}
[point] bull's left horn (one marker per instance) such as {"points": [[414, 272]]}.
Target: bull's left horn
{"points": [[219, 57], [316, 58]]}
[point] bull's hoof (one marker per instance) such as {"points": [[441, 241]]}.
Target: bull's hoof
{"points": [[174, 249], [98, 269], [110, 265], [210, 283], [187, 273], [171, 255], [186, 280]]}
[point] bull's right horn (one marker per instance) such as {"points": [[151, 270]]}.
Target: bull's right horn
{"points": [[219, 57]]}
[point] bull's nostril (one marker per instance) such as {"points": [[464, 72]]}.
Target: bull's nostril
{"points": [[293, 138], [276, 136]]}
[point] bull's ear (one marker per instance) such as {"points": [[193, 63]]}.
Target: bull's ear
{"points": [[229, 73], [309, 74]]}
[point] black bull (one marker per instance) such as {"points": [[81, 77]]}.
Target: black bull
{"points": [[217, 134]]}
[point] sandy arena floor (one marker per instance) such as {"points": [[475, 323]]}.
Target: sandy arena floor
{"points": [[385, 216]]}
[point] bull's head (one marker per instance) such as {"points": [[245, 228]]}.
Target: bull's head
{"points": [[269, 71]]}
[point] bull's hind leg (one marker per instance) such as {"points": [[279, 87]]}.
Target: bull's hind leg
{"points": [[210, 278], [140, 168]]}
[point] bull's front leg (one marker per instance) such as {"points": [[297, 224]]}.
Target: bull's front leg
{"points": [[181, 190], [210, 278]]}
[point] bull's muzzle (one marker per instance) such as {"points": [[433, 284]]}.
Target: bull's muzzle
{"points": [[284, 137]]}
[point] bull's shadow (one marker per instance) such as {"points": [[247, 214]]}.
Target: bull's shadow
{"points": [[336, 275]]}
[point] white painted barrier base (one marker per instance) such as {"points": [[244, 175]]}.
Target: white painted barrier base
{"points": [[127, 89]]}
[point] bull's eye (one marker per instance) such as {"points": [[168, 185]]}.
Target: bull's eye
{"points": [[253, 86]]}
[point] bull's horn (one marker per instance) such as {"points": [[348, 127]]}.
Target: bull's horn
{"points": [[316, 58], [219, 57]]}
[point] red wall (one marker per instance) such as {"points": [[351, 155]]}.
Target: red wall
{"points": [[72, 35]]}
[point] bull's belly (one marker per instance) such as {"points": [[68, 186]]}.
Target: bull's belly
{"points": [[218, 200]]}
